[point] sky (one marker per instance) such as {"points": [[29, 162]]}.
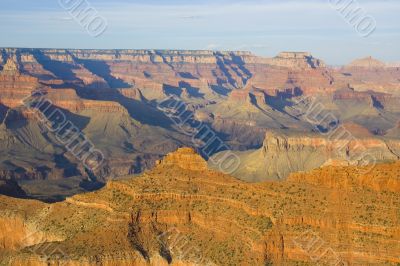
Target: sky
{"points": [[264, 27]]}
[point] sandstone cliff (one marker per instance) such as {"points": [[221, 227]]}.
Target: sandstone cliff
{"points": [[281, 155], [295, 60], [113, 97], [178, 215], [185, 158]]}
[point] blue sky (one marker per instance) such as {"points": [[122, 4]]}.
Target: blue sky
{"points": [[264, 27]]}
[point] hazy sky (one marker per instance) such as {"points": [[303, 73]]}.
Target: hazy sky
{"points": [[264, 27]]}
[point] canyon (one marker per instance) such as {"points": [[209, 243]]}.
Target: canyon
{"points": [[181, 213], [114, 97], [282, 155], [317, 148]]}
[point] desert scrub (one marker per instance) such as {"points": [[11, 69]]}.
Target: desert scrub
{"points": [[264, 224]]}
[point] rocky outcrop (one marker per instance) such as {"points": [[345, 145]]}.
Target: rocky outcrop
{"points": [[114, 95], [372, 100], [296, 60], [348, 178], [12, 233], [367, 62], [10, 68], [281, 155], [185, 158], [240, 97], [181, 216], [14, 86]]}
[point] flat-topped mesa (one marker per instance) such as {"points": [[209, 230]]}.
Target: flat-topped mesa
{"points": [[300, 60], [340, 147], [367, 62], [294, 55], [194, 57], [185, 158], [137, 56], [283, 154]]}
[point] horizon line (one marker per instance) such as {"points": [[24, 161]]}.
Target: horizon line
{"points": [[193, 50]]}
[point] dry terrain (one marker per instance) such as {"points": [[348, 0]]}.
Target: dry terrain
{"points": [[113, 97], [181, 213]]}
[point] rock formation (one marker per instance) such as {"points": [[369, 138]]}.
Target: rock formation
{"points": [[295, 60], [367, 62], [113, 97], [10, 68], [281, 155], [185, 158], [14, 86], [182, 216]]}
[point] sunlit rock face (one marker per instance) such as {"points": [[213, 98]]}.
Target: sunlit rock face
{"points": [[282, 155], [10, 68], [182, 214], [185, 158], [114, 98], [302, 60]]}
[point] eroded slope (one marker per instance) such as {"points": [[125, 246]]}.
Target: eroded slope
{"points": [[181, 213]]}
